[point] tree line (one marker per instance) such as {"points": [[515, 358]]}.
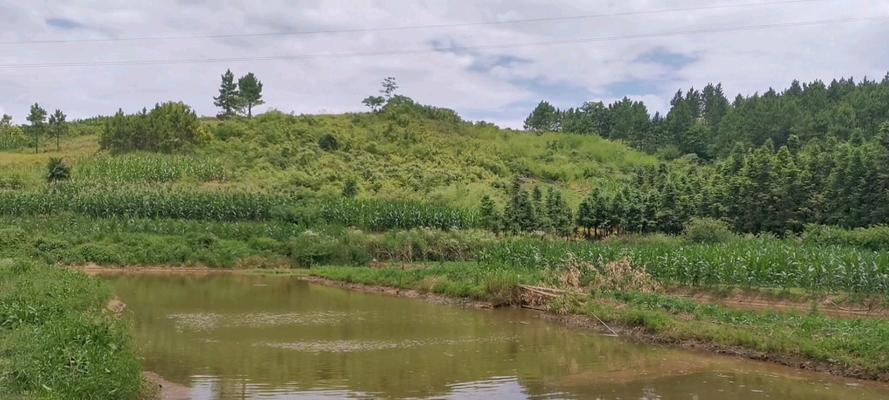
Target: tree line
{"points": [[705, 123], [772, 189], [55, 126]]}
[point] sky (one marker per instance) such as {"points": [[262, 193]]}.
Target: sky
{"points": [[488, 60]]}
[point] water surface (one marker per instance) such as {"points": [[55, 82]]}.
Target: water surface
{"points": [[246, 336]]}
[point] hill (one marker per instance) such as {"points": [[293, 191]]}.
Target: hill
{"points": [[390, 155]]}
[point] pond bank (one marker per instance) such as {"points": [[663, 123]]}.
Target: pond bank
{"points": [[845, 347]]}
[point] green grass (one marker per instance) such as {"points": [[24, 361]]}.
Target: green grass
{"points": [[55, 340], [451, 279], [858, 344]]}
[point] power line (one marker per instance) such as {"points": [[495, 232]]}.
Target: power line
{"points": [[409, 27], [450, 48]]}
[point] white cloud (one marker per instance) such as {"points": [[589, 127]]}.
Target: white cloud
{"points": [[745, 61]]}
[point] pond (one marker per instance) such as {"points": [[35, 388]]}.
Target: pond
{"points": [[245, 336]]}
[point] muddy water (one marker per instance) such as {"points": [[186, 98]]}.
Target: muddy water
{"points": [[243, 336]]}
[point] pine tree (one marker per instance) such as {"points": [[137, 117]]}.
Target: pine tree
{"points": [[519, 215], [37, 118], [250, 90], [229, 99], [58, 127], [489, 216], [584, 217], [558, 214], [540, 210]]}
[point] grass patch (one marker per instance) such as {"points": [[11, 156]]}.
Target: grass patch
{"points": [[56, 341]]}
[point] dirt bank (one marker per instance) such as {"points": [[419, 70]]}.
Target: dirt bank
{"points": [[408, 293], [158, 388]]}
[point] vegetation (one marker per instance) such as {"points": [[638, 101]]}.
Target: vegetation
{"points": [[168, 127], [56, 341], [783, 192], [705, 123]]}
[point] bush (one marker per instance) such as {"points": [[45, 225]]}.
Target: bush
{"points": [[168, 127], [328, 142], [707, 230], [873, 238], [57, 171]]}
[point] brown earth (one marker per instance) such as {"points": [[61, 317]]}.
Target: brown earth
{"points": [[158, 388]]}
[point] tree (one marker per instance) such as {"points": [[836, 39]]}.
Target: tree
{"points": [[375, 103], [519, 214], [389, 87], [36, 118], [558, 213], [545, 117], [540, 214], [489, 216], [58, 127], [168, 127], [6, 121], [229, 99], [250, 92], [350, 189], [57, 171]]}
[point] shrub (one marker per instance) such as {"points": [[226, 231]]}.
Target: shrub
{"points": [[57, 171], [707, 230], [350, 189], [310, 248], [873, 238], [328, 142]]}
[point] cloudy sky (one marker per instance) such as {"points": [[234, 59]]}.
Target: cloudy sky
{"points": [[489, 60]]}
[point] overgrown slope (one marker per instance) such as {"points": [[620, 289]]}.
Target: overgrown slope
{"points": [[396, 155]]}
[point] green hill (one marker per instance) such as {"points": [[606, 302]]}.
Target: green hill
{"points": [[391, 155]]}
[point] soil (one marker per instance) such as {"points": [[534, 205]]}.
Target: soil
{"points": [[158, 388], [408, 293]]}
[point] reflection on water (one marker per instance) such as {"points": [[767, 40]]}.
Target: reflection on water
{"points": [[242, 336]]}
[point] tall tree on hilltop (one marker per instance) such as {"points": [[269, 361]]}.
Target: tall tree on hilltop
{"points": [[37, 118], [545, 117], [389, 87], [251, 92], [229, 99]]}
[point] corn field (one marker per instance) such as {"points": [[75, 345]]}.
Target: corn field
{"points": [[109, 202], [148, 167], [767, 263], [374, 215], [379, 215]]}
